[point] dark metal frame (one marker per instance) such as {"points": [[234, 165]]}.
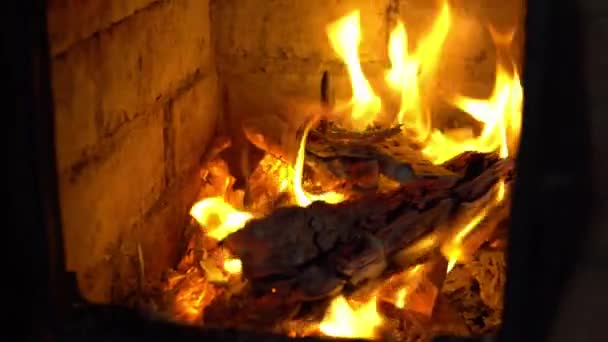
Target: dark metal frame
{"points": [[548, 198]]}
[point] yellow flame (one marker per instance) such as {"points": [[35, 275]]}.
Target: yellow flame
{"points": [[233, 266], [342, 320], [453, 249], [401, 295], [412, 71], [218, 217], [408, 72], [403, 77], [345, 37], [303, 198], [397, 53], [431, 45]]}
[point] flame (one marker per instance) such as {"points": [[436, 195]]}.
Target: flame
{"points": [[411, 279], [401, 297], [303, 198], [500, 115], [453, 249], [409, 72], [403, 76], [345, 37], [233, 266], [222, 219], [218, 217], [412, 71], [343, 320]]}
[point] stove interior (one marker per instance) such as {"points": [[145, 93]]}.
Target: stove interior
{"points": [[307, 168]]}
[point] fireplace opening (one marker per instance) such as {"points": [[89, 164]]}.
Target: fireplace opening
{"points": [[306, 168]]}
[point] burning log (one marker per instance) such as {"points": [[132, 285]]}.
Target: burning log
{"points": [[358, 158], [392, 153], [306, 254]]}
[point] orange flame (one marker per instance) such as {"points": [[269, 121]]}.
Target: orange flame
{"points": [[218, 217], [344, 320], [345, 37]]}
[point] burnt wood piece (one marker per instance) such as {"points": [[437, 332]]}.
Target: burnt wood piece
{"points": [[398, 156], [350, 242], [334, 133], [356, 157]]}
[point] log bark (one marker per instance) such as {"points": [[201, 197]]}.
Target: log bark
{"points": [[305, 254]]}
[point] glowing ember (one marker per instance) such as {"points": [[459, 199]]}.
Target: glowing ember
{"points": [[345, 37], [342, 320], [233, 266], [218, 217]]}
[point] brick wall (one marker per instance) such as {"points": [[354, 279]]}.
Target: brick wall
{"points": [[135, 92]]}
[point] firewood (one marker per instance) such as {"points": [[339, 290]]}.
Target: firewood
{"points": [[310, 253], [356, 157], [334, 133]]}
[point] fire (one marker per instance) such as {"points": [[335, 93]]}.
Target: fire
{"points": [[500, 115], [218, 217], [411, 71], [403, 77], [303, 198], [408, 72], [222, 219], [453, 249], [344, 320], [345, 37], [411, 279], [233, 265]]}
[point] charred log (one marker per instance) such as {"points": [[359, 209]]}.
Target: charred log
{"points": [[303, 254]]}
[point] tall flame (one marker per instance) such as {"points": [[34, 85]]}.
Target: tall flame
{"points": [[403, 77], [345, 37], [409, 72], [453, 249]]}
